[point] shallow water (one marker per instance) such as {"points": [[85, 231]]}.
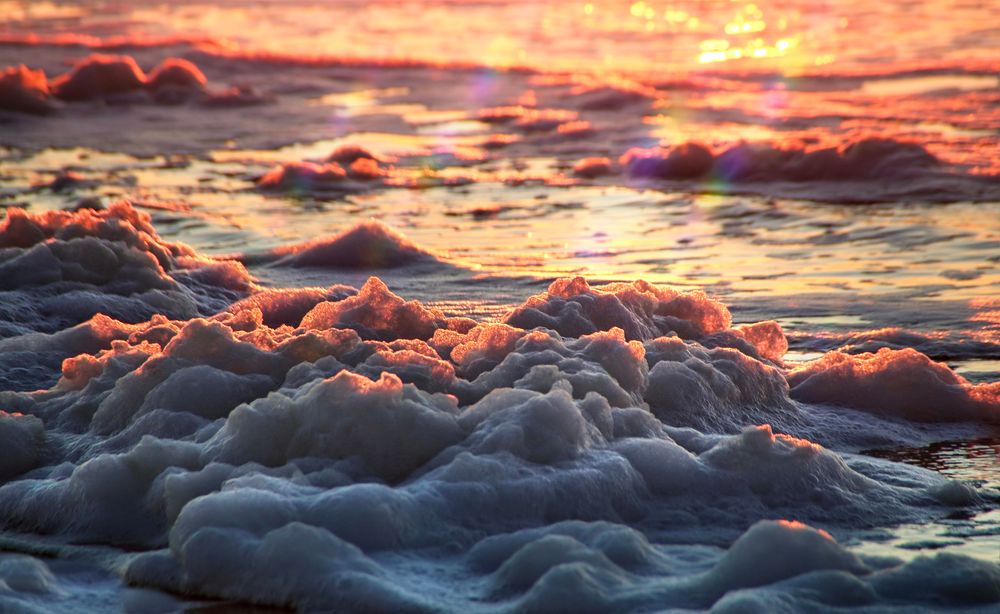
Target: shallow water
{"points": [[239, 428]]}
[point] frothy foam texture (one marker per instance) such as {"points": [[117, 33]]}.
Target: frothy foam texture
{"points": [[58, 269], [308, 447], [116, 79], [368, 245], [902, 382], [25, 91], [867, 159]]}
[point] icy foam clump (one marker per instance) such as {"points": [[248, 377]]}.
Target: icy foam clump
{"points": [[60, 268], [288, 306], [927, 582], [22, 439], [116, 248], [774, 566], [865, 160], [297, 565], [644, 311], [377, 313], [309, 448], [591, 168], [327, 179], [609, 97], [103, 76], [360, 530], [116, 79], [349, 154], [772, 551], [498, 357], [26, 576], [176, 73], [347, 425], [938, 345], [368, 245], [714, 388], [35, 358], [25, 91], [902, 383], [98, 76], [393, 429], [220, 366], [536, 396], [304, 176]]}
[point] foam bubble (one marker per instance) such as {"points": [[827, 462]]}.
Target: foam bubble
{"points": [[393, 428], [591, 168], [23, 440], [75, 264], [99, 76], [25, 91], [176, 73], [902, 383], [368, 245], [867, 159], [376, 313], [643, 311]]}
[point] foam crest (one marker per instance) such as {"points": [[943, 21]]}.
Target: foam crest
{"points": [[368, 245], [867, 160], [25, 91], [902, 383]]}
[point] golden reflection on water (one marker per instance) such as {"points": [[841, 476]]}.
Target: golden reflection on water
{"points": [[673, 240], [610, 36]]}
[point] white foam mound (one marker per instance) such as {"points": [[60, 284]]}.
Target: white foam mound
{"points": [[24, 91], [865, 160], [367, 245], [210, 361], [771, 551], [296, 565], [317, 179], [760, 468], [176, 73], [98, 76], [288, 306], [609, 98], [939, 345], [391, 427], [116, 248], [61, 268], [22, 439], [230, 544], [775, 566], [643, 311], [349, 154], [27, 576], [903, 383], [71, 265], [714, 389], [591, 168], [376, 313], [103, 76], [944, 578]]}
